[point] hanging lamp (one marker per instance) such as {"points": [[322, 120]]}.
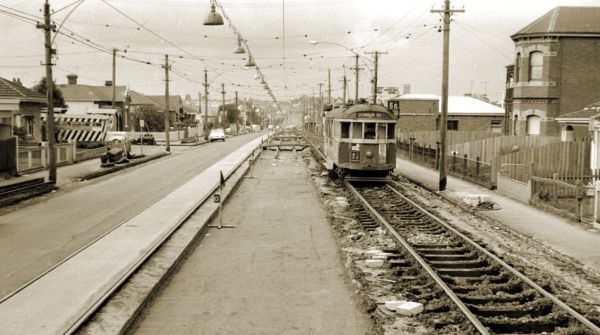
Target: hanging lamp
{"points": [[239, 49], [213, 18]]}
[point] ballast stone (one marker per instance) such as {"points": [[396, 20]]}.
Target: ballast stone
{"points": [[393, 304], [374, 263], [409, 308]]}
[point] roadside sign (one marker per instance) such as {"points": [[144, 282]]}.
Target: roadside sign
{"points": [[142, 124], [217, 198]]}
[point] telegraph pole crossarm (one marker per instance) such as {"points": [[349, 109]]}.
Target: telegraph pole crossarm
{"points": [[446, 15]]}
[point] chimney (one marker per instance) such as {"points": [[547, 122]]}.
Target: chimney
{"points": [[108, 83], [406, 89], [72, 79]]}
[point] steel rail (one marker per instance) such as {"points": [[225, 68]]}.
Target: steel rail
{"points": [[509, 268], [472, 318]]}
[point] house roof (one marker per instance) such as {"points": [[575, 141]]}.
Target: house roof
{"points": [[415, 96], [11, 89], [91, 93], [139, 99], [564, 20], [581, 115], [175, 101], [461, 105]]}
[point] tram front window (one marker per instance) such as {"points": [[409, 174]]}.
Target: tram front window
{"points": [[381, 131], [345, 129], [369, 131], [391, 134]]}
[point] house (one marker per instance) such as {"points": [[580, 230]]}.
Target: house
{"points": [[421, 112], [576, 125], [556, 69], [92, 99], [22, 108], [176, 113]]}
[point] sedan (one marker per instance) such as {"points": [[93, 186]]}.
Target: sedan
{"points": [[216, 135]]}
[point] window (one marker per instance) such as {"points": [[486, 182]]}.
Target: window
{"points": [[496, 126], [369, 131], [391, 133], [517, 67], [381, 135], [345, 129], [567, 134], [533, 125], [357, 130], [452, 125], [536, 64]]}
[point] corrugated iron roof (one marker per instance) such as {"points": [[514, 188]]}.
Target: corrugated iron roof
{"points": [[588, 111], [564, 20], [91, 93], [11, 89]]}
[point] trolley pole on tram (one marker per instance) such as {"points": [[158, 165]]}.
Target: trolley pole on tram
{"points": [[446, 15]]}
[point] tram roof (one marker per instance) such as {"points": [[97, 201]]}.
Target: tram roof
{"points": [[350, 112]]}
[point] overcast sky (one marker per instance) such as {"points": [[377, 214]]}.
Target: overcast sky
{"points": [[480, 43]]}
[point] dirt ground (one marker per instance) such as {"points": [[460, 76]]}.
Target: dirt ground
{"points": [[278, 271], [562, 276]]}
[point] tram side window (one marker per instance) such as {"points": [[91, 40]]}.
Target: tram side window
{"points": [[345, 129], [391, 131], [369, 131], [357, 130], [381, 131]]}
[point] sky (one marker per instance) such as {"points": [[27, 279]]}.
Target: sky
{"points": [[278, 35]]}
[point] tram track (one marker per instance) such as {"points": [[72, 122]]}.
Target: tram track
{"points": [[491, 294]]}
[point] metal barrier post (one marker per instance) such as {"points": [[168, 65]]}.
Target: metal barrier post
{"points": [[218, 199]]}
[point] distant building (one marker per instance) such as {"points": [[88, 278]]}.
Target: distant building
{"points": [[20, 107], [421, 112], [576, 125], [556, 69]]}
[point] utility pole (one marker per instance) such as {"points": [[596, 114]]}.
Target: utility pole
{"points": [[329, 86], [357, 70], [167, 113], [237, 121], [376, 53], [114, 78], [206, 103], [48, 28], [320, 108], [447, 14], [223, 93]]}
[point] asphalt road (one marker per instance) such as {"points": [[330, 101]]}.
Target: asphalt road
{"points": [[37, 236]]}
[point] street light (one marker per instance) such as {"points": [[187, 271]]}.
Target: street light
{"points": [[239, 49], [213, 18]]}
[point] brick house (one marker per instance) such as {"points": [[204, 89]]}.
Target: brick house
{"points": [[176, 112], [576, 125], [421, 112], [21, 107], [556, 69]]}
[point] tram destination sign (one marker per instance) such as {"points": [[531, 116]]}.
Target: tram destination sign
{"points": [[371, 115]]}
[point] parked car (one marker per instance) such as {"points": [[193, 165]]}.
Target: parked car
{"points": [[116, 136], [255, 127], [216, 135], [145, 139]]}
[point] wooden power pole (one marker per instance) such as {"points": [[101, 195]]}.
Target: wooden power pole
{"points": [[167, 113], [223, 93], [48, 28], [237, 121], [376, 54], [206, 103], [446, 15]]}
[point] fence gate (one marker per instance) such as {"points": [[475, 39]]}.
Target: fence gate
{"points": [[8, 157]]}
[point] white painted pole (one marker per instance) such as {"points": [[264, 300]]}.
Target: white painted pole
{"points": [[596, 189]]}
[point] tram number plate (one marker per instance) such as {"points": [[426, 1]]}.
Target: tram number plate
{"points": [[355, 156]]}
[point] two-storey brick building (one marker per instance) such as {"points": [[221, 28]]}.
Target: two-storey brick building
{"points": [[556, 69]]}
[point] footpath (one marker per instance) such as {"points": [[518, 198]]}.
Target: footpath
{"points": [[277, 272], [568, 237]]}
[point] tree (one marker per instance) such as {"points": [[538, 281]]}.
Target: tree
{"points": [[231, 113], [153, 119], [41, 88]]}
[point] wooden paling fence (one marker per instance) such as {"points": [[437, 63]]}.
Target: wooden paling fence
{"points": [[431, 138]]}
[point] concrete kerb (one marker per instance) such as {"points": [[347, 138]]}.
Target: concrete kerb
{"points": [[116, 168], [138, 286]]}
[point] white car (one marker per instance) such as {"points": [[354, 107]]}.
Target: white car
{"points": [[116, 136], [216, 135]]}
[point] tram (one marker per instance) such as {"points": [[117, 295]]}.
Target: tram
{"points": [[359, 140]]}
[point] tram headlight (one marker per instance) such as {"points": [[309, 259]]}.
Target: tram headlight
{"points": [[369, 154]]}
